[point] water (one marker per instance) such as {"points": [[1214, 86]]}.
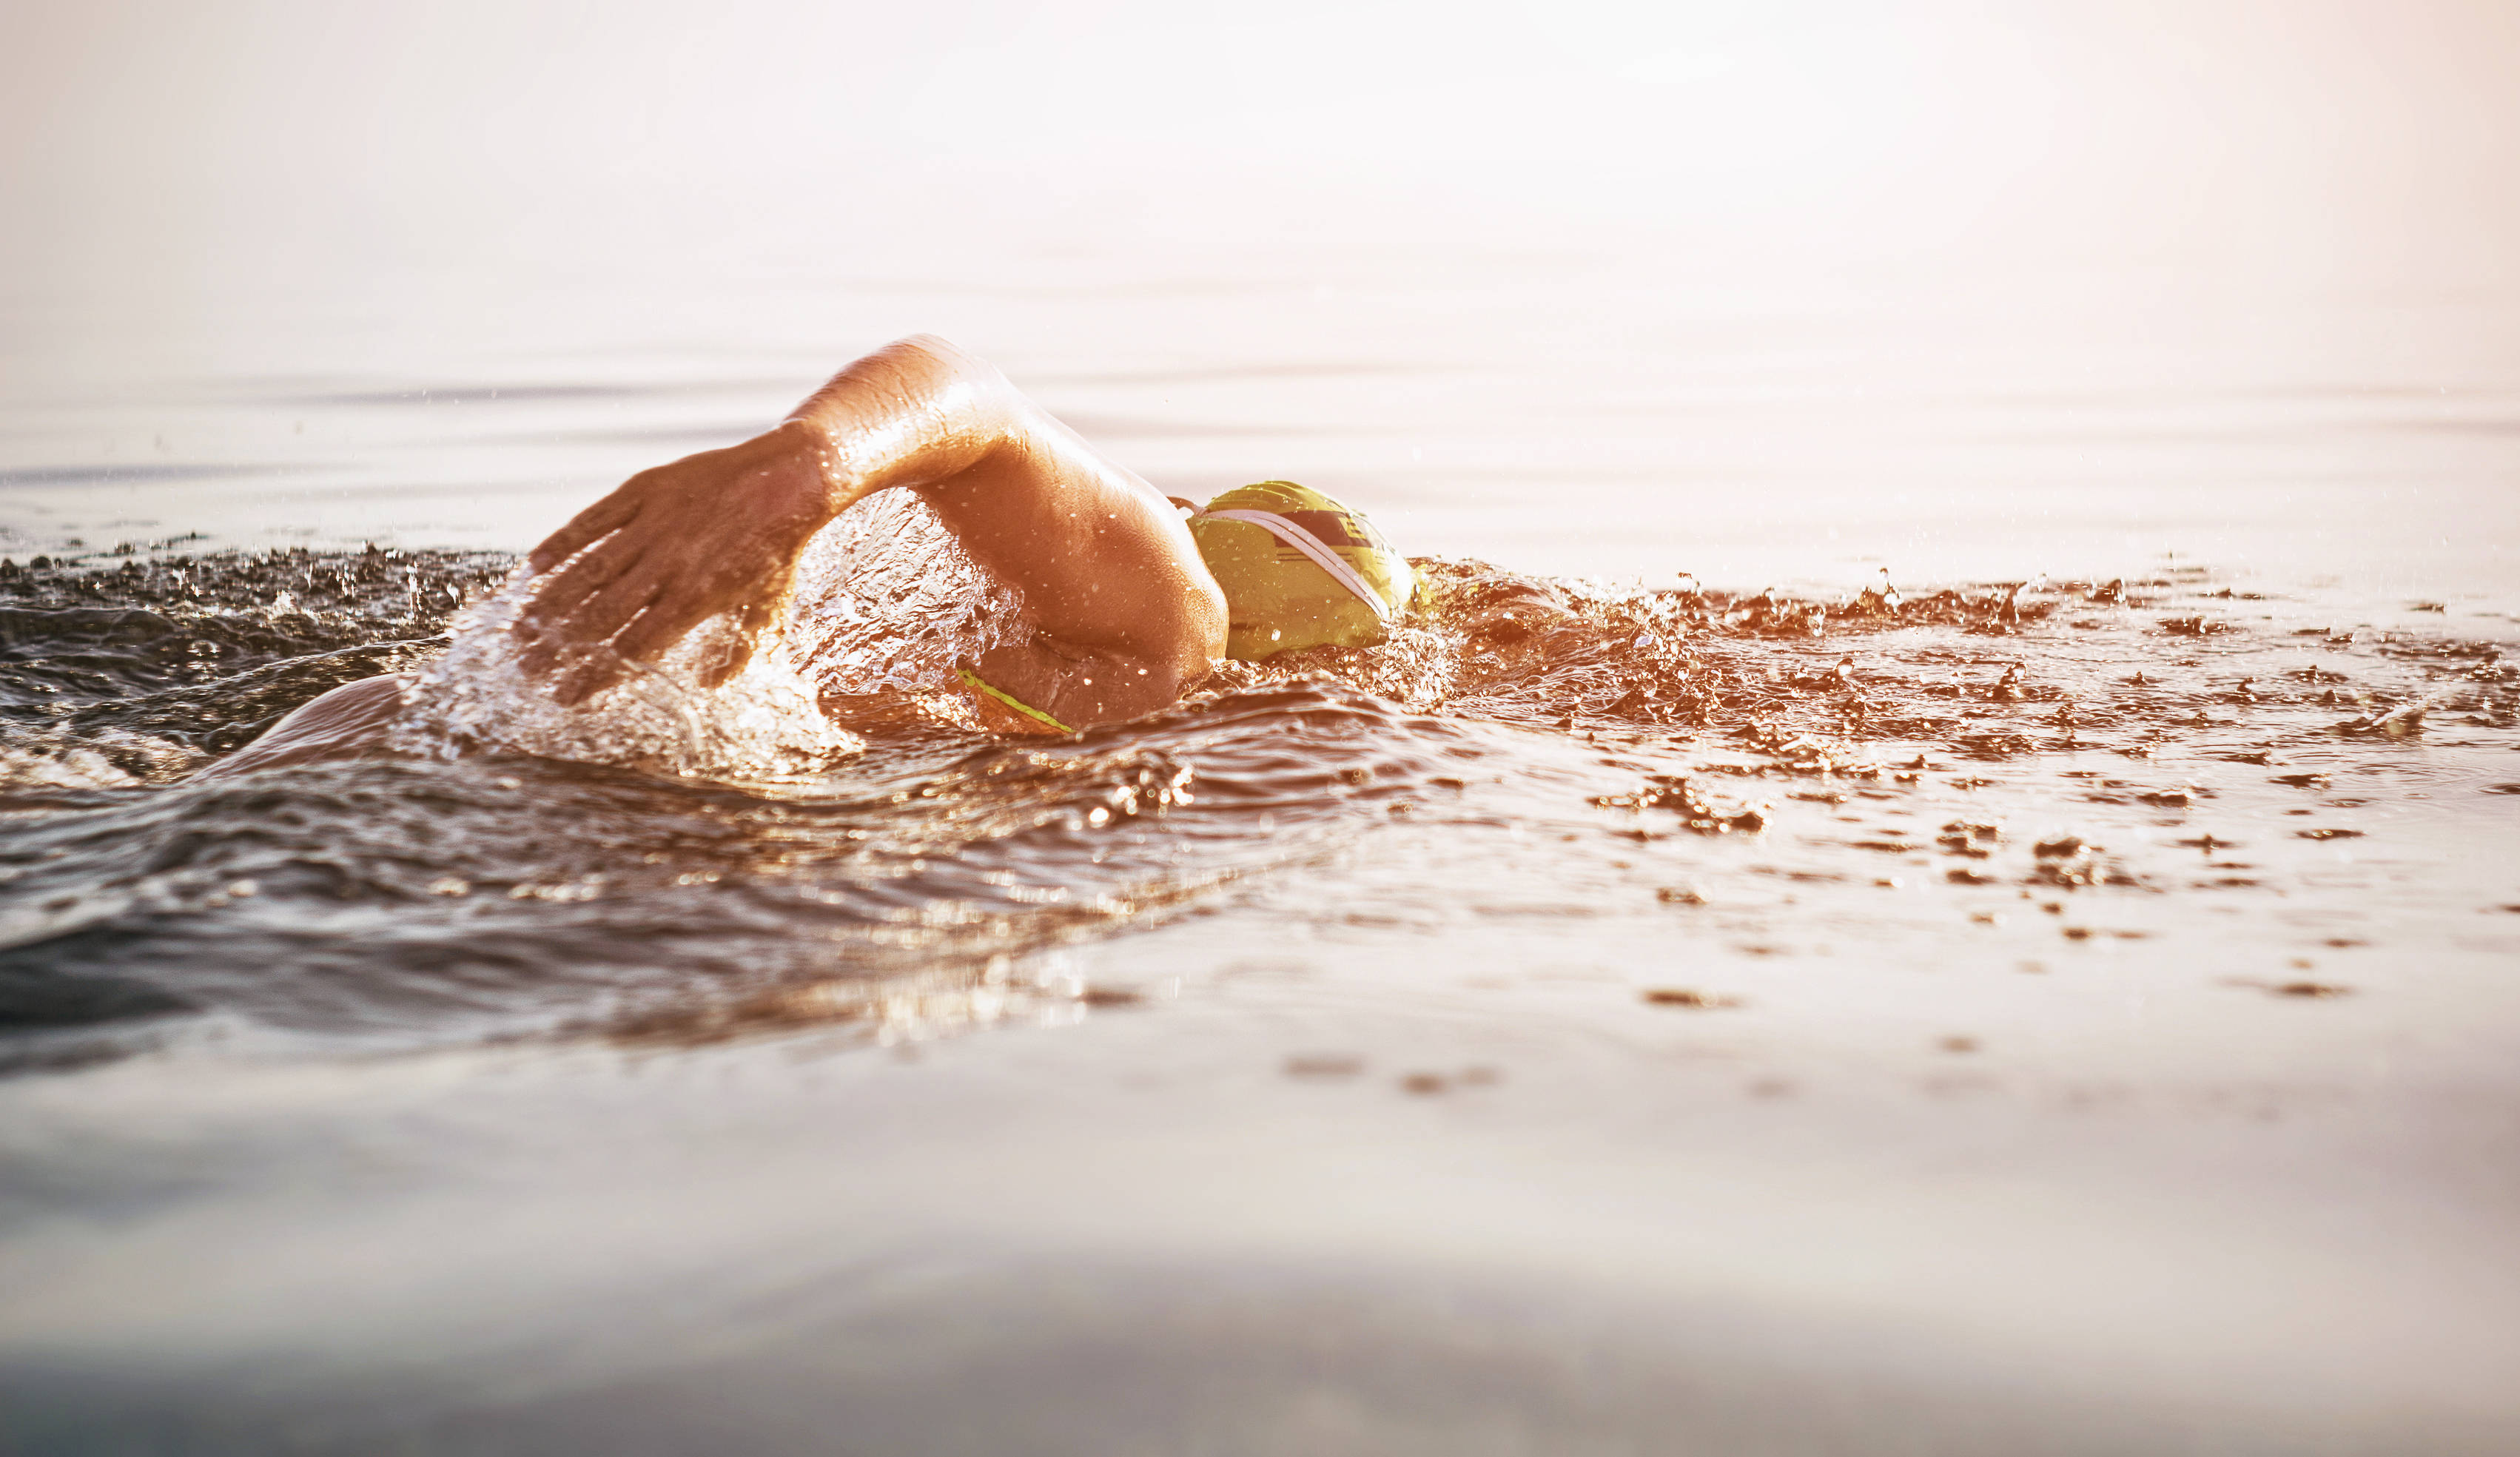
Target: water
{"points": [[1592, 985], [1937, 870]]}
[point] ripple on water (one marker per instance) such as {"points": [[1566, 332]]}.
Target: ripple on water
{"points": [[679, 863]]}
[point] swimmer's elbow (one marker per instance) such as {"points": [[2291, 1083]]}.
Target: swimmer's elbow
{"points": [[1167, 681], [1199, 648], [930, 361], [1178, 661]]}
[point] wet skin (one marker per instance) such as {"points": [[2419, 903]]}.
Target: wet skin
{"points": [[1122, 608], [1125, 616]]}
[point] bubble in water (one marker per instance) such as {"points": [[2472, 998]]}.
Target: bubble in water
{"points": [[886, 601]]}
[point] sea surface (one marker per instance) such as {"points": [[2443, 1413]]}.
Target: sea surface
{"points": [[1936, 868]]}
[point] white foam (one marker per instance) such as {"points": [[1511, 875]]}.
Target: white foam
{"points": [[884, 602]]}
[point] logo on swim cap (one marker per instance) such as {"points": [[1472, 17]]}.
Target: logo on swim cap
{"points": [[1298, 570]]}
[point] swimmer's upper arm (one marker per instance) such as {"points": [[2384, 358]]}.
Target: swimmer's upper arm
{"points": [[1127, 617]]}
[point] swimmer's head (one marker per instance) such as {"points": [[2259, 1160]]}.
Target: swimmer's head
{"points": [[1298, 570]]}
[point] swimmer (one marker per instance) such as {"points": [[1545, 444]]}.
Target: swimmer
{"points": [[1132, 598]]}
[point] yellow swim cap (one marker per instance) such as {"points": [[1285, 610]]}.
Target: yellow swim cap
{"points": [[1298, 570]]}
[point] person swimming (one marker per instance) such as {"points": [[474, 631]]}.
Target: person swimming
{"points": [[1132, 598]]}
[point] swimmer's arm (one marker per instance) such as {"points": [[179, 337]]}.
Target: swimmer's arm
{"points": [[1126, 615]]}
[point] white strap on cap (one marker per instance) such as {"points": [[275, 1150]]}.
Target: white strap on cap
{"points": [[1314, 549]]}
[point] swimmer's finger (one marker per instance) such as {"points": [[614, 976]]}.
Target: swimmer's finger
{"points": [[646, 638], [656, 630], [587, 679], [558, 599], [544, 648], [588, 527], [556, 619], [599, 617], [609, 610]]}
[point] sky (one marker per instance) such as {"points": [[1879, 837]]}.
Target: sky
{"points": [[2208, 128]]}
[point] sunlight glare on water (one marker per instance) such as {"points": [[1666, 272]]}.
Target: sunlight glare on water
{"points": [[1933, 862]]}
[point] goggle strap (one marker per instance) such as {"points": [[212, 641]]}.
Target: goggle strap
{"points": [[1316, 550]]}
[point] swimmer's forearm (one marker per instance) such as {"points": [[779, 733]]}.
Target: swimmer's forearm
{"points": [[914, 413], [918, 411]]}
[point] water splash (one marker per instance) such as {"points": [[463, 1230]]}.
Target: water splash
{"points": [[762, 723], [445, 896], [887, 601], [139, 670], [885, 604]]}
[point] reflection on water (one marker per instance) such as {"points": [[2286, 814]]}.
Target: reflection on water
{"points": [[1592, 402], [2013, 955], [460, 889], [2007, 949], [1676, 897]]}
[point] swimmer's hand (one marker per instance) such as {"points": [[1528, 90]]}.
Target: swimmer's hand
{"points": [[712, 533]]}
